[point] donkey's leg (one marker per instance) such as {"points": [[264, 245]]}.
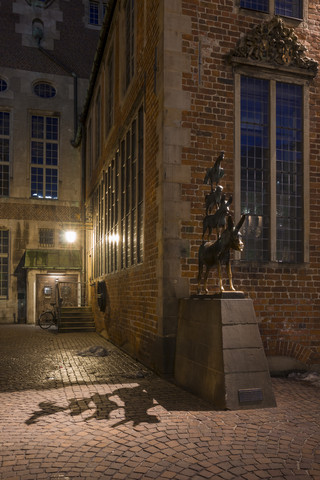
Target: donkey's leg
{"points": [[220, 278], [230, 276], [199, 276], [206, 279]]}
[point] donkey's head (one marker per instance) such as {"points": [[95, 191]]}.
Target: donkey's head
{"points": [[231, 238]]}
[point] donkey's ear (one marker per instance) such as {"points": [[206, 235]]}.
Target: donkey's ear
{"points": [[240, 223], [230, 223]]}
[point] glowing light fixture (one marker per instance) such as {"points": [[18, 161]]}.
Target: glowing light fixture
{"points": [[70, 236]]}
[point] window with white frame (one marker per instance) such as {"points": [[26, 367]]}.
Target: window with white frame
{"points": [[4, 263], [4, 153], [118, 205], [44, 156], [287, 8], [272, 114], [96, 12]]}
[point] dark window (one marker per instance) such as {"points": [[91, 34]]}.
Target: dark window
{"points": [[4, 263], [3, 85], [287, 8], [44, 90], [98, 126], [109, 94], [289, 172], [94, 13], [129, 41], [260, 5], [256, 162], [255, 166], [97, 11], [4, 153], [44, 157], [46, 237]]}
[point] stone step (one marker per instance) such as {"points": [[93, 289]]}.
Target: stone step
{"points": [[78, 319]]}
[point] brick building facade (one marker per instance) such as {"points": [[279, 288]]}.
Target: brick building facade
{"points": [[47, 49], [173, 84]]}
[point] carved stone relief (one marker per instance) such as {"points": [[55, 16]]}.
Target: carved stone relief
{"points": [[273, 42]]}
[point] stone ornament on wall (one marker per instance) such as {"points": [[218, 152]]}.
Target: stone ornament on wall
{"points": [[273, 42]]}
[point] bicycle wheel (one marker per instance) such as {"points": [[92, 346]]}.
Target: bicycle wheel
{"points": [[46, 320]]}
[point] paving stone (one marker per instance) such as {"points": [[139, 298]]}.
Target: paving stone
{"points": [[65, 417]]}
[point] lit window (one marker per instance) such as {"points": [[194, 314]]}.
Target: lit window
{"points": [[44, 157], [118, 205], [3, 85], [4, 153], [46, 237], [44, 90], [285, 126], [4, 263], [287, 8]]}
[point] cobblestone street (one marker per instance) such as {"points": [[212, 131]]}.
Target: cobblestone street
{"points": [[65, 416]]}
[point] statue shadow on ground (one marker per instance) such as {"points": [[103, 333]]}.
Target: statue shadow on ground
{"points": [[135, 401]]}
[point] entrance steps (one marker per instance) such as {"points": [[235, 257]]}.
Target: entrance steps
{"points": [[76, 319]]}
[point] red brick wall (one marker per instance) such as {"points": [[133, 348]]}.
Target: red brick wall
{"points": [[286, 298]]}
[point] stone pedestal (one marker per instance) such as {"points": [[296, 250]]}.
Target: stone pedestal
{"points": [[219, 352]]}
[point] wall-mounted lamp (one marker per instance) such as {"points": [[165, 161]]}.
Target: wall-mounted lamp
{"points": [[70, 236]]}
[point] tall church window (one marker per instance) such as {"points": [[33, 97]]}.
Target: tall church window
{"points": [[44, 156], [4, 153], [272, 169], [287, 8]]}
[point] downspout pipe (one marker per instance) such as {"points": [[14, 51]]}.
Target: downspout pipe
{"points": [[75, 89]]}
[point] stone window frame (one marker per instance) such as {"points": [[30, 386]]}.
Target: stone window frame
{"points": [[273, 75], [5, 172], [271, 10], [4, 263]]}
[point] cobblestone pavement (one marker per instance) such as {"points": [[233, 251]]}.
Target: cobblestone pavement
{"points": [[65, 416]]}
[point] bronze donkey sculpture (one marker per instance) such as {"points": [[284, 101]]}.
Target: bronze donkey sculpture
{"points": [[214, 254]]}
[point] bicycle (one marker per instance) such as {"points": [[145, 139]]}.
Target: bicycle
{"points": [[48, 318]]}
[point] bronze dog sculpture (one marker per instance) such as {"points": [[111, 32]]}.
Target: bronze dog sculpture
{"points": [[218, 219], [214, 254]]}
